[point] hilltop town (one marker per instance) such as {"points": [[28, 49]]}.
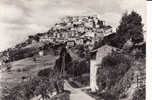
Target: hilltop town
{"points": [[78, 57], [76, 30]]}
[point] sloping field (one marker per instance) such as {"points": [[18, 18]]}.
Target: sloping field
{"points": [[24, 69]]}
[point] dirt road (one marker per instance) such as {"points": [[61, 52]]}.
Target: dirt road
{"points": [[76, 94]]}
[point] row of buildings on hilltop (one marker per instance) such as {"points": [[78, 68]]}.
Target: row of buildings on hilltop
{"points": [[80, 29], [73, 30]]}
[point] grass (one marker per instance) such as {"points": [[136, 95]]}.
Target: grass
{"points": [[25, 68]]}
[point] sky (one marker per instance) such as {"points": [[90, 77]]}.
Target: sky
{"points": [[21, 18]]}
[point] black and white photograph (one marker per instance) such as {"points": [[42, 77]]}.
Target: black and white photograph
{"points": [[73, 49]]}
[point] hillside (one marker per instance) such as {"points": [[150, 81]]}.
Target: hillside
{"points": [[25, 69], [72, 45], [70, 28]]}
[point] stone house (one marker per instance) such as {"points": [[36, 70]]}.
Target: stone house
{"points": [[80, 41], [47, 39], [89, 24], [41, 53], [89, 33], [70, 43], [107, 30], [81, 29]]}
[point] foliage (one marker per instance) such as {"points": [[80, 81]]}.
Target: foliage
{"points": [[140, 94], [107, 96], [139, 51], [124, 83], [58, 63], [83, 80], [22, 53], [112, 69], [34, 87], [45, 72], [80, 50], [36, 37], [77, 68], [130, 27], [44, 88]]}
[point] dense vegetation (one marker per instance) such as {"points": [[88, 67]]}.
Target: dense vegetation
{"points": [[115, 74], [140, 94], [26, 90], [72, 67], [113, 68], [77, 68], [130, 28], [43, 85], [117, 71]]}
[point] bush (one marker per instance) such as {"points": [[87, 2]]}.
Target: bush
{"points": [[26, 90], [18, 70], [113, 68], [124, 83], [45, 72], [107, 96], [139, 94], [84, 80], [25, 69], [80, 50], [77, 68]]}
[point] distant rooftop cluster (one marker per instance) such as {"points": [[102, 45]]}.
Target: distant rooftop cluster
{"points": [[82, 30], [78, 27]]}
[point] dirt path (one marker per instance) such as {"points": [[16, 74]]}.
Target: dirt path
{"points": [[77, 94]]}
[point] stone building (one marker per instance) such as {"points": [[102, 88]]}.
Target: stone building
{"points": [[80, 41]]}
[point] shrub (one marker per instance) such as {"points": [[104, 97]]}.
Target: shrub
{"points": [[25, 69], [139, 94], [80, 50], [44, 88], [26, 90], [124, 83], [107, 96], [84, 80], [44, 72], [77, 68], [113, 68], [18, 70]]}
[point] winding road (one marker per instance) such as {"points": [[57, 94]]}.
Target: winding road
{"points": [[76, 93]]}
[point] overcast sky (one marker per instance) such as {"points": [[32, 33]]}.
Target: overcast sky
{"points": [[20, 18]]}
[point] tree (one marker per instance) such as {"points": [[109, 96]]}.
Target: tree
{"points": [[58, 63], [130, 27], [37, 38], [30, 36], [44, 88], [81, 51]]}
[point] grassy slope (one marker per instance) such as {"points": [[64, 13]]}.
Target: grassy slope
{"points": [[28, 68]]}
